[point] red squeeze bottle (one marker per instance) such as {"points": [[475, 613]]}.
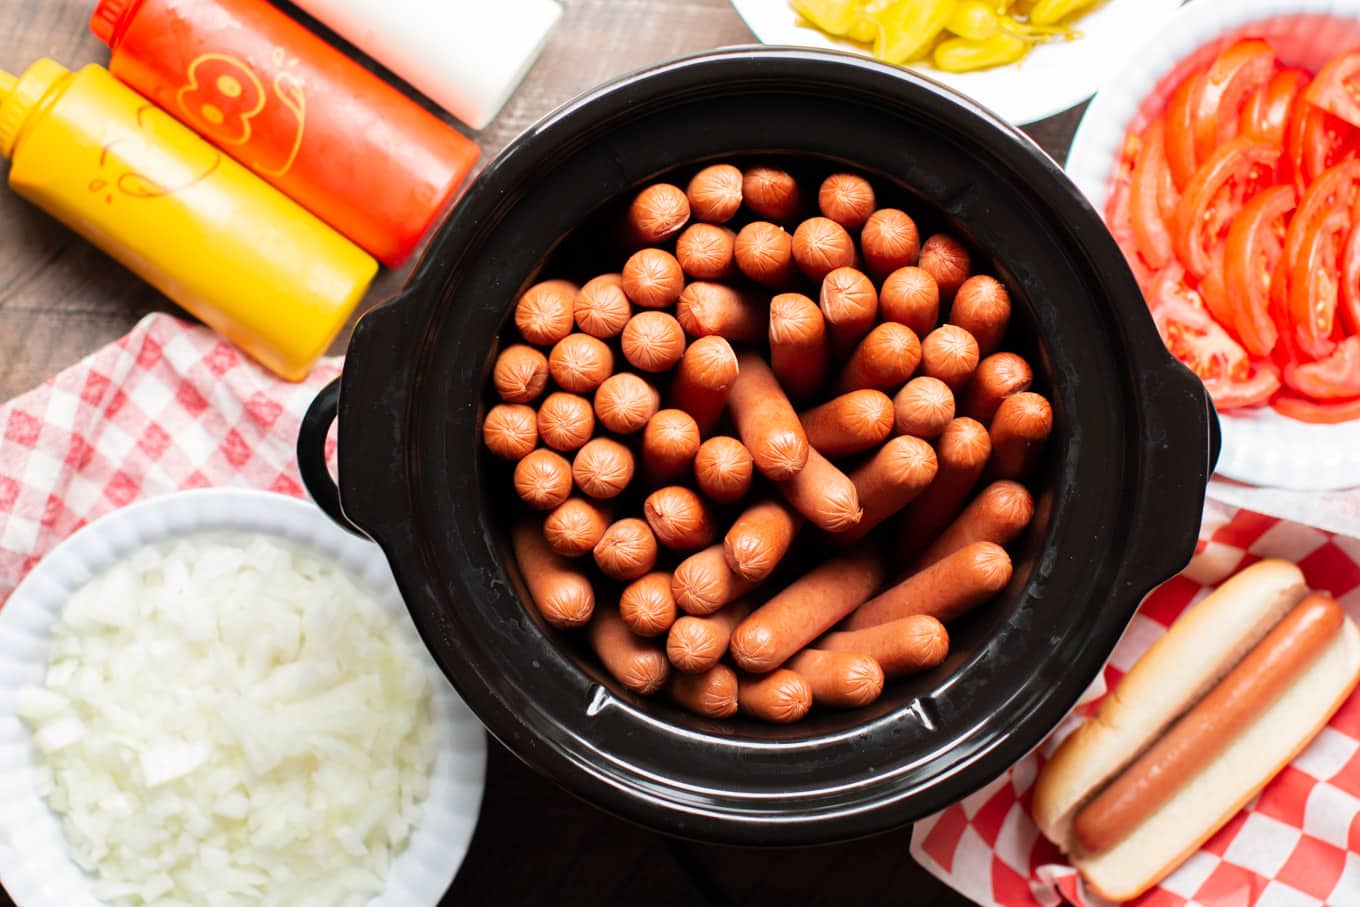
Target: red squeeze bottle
{"points": [[322, 129]]}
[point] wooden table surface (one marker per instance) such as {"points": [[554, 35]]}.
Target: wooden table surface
{"points": [[60, 299]]}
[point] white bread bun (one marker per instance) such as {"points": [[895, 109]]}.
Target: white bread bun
{"points": [[1170, 677]]}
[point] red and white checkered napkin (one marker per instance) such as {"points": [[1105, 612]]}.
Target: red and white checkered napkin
{"points": [[1297, 845], [169, 406]]}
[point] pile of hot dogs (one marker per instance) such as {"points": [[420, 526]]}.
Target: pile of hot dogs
{"points": [[889, 443]]}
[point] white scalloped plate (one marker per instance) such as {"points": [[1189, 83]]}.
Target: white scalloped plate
{"points": [[1052, 78], [1261, 447], [34, 865]]}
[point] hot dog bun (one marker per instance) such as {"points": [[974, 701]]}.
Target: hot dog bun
{"points": [[1176, 672]]}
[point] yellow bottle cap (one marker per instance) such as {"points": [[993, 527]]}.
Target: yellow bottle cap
{"points": [[19, 96]]}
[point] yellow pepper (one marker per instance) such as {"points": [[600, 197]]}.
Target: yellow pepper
{"points": [[907, 28], [963, 55], [975, 20], [835, 17], [1051, 12]]}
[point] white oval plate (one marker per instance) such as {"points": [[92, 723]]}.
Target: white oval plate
{"points": [[1260, 447], [1052, 78], [34, 865]]}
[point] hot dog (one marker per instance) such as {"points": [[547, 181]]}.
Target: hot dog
{"points": [[561, 593], [543, 479], [997, 377], [679, 518], [1201, 722], [923, 407], [565, 421], [669, 443], [820, 246], [520, 374], [714, 194], [760, 538], [889, 241], [602, 468], [544, 313], [652, 278], [764, 253], [799, 346], [998, 515], [579, 363], [703, 379], [705, 252], [780, 697], [950, 354], [652, 341], [902, 646], [850, 304], [849, 424], [723, 468], [809, 607], [575, 526], [770, 192], [601, 309], [890, 480], [510, 430], [703, 582], [624, 403], [982, 307], [1019, 429], [961, 454], [884, 359], [697, 643], [627, 549], [637, 663], [947, 589], [657, 213], [846, 198], [947, 261], [707, 309], [765, 420], [911, 296], [647, 605], [839, 680], [712, 694], [823, 494]]}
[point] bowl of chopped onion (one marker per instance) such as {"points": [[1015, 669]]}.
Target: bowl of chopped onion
{"points": [[216, 696]]}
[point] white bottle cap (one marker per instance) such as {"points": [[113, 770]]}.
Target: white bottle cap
{"points": [[466, 55]]}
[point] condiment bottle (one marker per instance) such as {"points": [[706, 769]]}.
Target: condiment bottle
{"points": [[185, 217], [331, 135], [466, 56]]}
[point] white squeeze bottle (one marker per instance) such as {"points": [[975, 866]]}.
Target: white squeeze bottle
{"points": [[466, 55]]}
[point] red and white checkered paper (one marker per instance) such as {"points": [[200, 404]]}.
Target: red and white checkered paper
{"points": [[1296, 845], [167, 407]]}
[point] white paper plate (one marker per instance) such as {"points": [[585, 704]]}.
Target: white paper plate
{"points": [[34, 865], [1262, 447], [1054, 76]]}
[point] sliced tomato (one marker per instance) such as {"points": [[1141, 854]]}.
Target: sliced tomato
{"points": [[1254, 246], [1337, 187], [1333, 377], [1180, 130], [1117, 219], [1310, 411], [1213, 290], [1150, 234], [1315, 281], [1261, 382], [1350, 282], [1233, 174], [1170, 288], [1240, 69], [1336, 89], [1321, 141], [1267, 112]]}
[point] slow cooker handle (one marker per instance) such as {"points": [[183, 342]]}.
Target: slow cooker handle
{"points": [[311, 454]]}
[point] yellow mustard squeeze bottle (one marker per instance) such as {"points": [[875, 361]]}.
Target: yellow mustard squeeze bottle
{"points": [[186, 218]]}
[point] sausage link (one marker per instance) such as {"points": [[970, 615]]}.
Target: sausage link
{"points": [[707, 309], [902, 646], [884, 359], [697, 643], [543, 479], [997, 377], [850, 304], [510, 430], [770, 193], [780, 697], [679, 517], [565, 421], [820, 246], [712, 694], [703, 379], [657, 213], [889, 480], [579, 363], [889, 241], [520, 374], [627, 549], [809, 607], [947, 589], [765, 420], [561, 593], [637, 663], [669, 444], [846, 198], [575, 526], [950, 354], [602, 468], [647, 605], [799, 347], [1019, 430], [911, 296], [961, 453], [544, 313], [947, 261], [849, 424], [723, 468], [624, 403], [714, 194], [839, 680], [705, 252], [758, 540], [923, 407], [652, 278], [601, 308], [823, 494], [998, 515], [764, 253], [1205, 731], [982, 307], [703, 583], [652, 341]]}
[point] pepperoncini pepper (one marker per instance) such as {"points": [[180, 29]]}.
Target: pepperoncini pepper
{"points": [[906, 28], [1051, 12], [963, 55]]}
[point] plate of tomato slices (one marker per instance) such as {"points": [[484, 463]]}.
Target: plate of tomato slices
{"points": [[1226, 162]]}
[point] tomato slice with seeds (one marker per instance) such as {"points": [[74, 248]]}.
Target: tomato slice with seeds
{"points": [[1315, 282], [1213, 289], [1321, 413], [1333, 377], [1150, 235], [1240, 69], [1336, 88], [1338, 187], [1350, 282], [1253, 249], [1267, 113], [1233, 174], [1180, 130], [1316, 141]]}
